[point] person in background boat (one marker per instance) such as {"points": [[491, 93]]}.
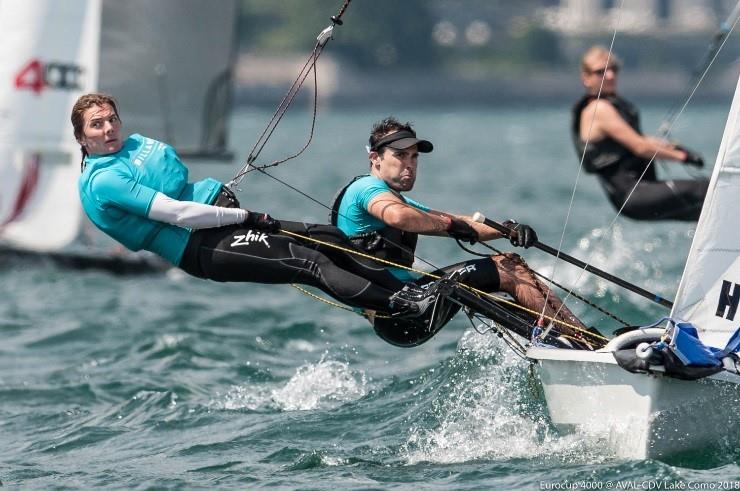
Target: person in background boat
{"points": [[618, 153], [381, 221], [136, 190]]}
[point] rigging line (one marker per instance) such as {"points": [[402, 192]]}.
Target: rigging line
{"points": [[551, 281], [284, 104], [478, 291], [720, 37], [302, 193], [338, 305], [321, 40], [683, 107], [701, 79], [501, 332], [698, 76], [278, 116], [580, 165], [311, 132]]}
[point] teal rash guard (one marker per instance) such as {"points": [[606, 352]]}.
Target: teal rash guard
{"points": [[116, 191]]}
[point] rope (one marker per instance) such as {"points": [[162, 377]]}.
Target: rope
{"points": [[552, 282], [335, 304], [310, 66], [278, 116], [580, 165], [437, 277], [667, 133], [701, 70]]}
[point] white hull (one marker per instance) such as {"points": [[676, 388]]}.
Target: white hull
{"points": [[640, 416]]}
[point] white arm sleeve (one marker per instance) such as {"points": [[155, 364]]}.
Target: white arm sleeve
{"points": [[193, 215]]}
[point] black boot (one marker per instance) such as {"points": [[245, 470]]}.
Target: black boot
{"points": [[413, 301]]}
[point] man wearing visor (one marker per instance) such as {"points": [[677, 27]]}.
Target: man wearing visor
{"points": [[384, 223]]}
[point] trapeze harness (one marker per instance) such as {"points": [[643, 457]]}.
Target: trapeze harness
{"points": [[398, 246], [389, 243], [618, 170]]}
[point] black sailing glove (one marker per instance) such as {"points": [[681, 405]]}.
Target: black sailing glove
{"points": [[261, 221], [692, 158], [521, 235], [460, 230]]}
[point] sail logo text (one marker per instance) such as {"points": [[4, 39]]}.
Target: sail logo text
{"points": [[38, 76], [728, 300], [251, 236]]}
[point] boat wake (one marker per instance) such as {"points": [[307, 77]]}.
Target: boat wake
{"points": [[489, 407]]}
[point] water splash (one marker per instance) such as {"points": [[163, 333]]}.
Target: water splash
{"points": [[321, 385], [495, 414], [324, 384]]}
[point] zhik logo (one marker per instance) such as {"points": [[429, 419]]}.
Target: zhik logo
{"points": [[251, 236], [38, 76], [728, 301]]}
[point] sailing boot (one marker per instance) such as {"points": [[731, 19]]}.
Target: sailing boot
{"points": [[413, 301]]}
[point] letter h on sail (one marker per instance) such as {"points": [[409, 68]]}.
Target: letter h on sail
{"points": [[728, 301]]}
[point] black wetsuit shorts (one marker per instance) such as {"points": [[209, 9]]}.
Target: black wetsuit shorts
{"points": [[678, 199]]}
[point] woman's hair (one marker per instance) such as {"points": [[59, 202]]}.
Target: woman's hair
{"points": [[84, 103]]}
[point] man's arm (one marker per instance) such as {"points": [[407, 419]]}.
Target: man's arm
{"points": [[484, 231], [393, 211], [608, 122]]}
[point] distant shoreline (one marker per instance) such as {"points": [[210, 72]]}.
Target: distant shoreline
{"points": [[346, 88]]}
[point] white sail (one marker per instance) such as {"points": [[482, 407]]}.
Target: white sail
{"points": [[48, 58], [168, 63], [709, 293]]}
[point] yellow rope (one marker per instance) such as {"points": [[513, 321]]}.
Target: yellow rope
{"points": [[335, 304], [361, 254], [436, 277]]}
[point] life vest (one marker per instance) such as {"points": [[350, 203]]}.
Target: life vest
{"points": [[608, 153], [389, 243]]}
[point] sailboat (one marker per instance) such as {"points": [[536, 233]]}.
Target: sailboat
{"points": [[658, 392], [169, 65]]}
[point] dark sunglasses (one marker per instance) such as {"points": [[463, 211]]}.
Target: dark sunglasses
{"points": [[602, 71]]}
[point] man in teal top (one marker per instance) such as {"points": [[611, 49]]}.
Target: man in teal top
{"points": [[137, 191], [353, 218], [380, 220]]}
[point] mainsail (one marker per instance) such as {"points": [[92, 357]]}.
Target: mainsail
{"points": [[48, 58], [709, 292], [168, 63]]}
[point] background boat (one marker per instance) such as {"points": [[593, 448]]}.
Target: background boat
{"points": [[168, 63]]}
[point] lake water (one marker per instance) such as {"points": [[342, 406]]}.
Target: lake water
{"points": [[164, 381]]}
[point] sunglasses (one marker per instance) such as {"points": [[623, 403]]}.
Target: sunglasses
{"points": [[602, 71]]}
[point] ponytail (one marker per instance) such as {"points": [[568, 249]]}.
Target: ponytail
{"points": [[83, 151]]}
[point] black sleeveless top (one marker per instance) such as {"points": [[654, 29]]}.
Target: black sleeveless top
{"points": [[609, 158]]}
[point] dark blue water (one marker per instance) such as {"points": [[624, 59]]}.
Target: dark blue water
{"points": [[165, 381]]}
